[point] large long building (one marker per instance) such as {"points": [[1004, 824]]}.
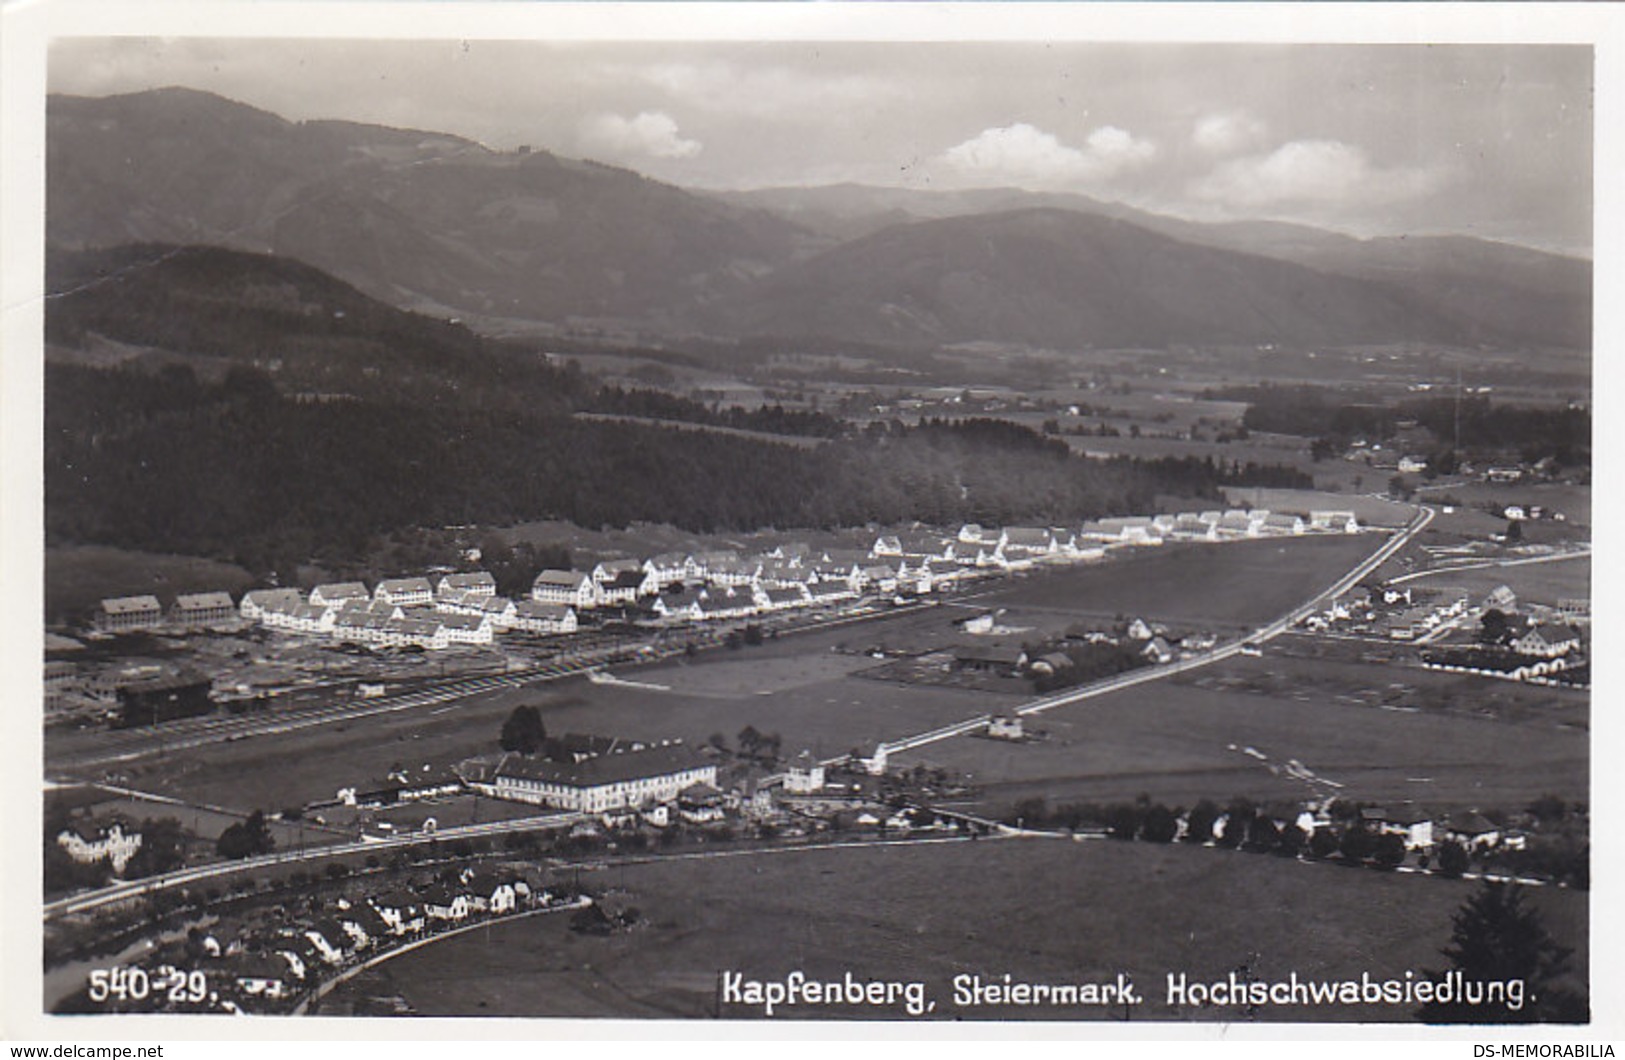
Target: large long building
{"points": [[612, 781]]}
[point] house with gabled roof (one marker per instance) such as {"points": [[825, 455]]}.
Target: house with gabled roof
{"points": [[1283, 523], [1158, 651], [669, 568], [498, 610], [782, 599], [120, 613], [683, 605], [1337, 522], [480, 583], [572, 588], [531, 616], [1018, 541], [465, 629], [624, 587], [298, 617], [202, 609], [1547, 642], [255, 601], [330, 940], [886, 545], [259, 975], [400, 910], [1190, 526], [406, 592], [603, 782], [447, 903], [337, 594]]}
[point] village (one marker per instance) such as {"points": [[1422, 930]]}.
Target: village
{"points": [[460, 615]]}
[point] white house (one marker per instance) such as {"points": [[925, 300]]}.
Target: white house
{"points": [[255, 601], [441, 902], [87, 845], [465, 629], [1334, 521], [571, 588], [1283, 523], [804, 775], [407, 592], [298, 617], [603, 782], [669, 568], [338, 594], [533, 617], [480, 583]]}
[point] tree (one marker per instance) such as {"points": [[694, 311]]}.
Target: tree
{"points": [[719, 741], [1262, 834], [1237, 820], [1496, 938], [749, 740], [1493, 626], [1292, 840], [1356, 845], [1389, 851], [1323, 843], [1452, 858], [1160, 825], [524, 732], [1398, 487], [1199, 823], [163, 847], [1123, 820], [246, 838]]}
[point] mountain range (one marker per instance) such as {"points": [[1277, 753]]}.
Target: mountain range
{"points": [[438, 223]]}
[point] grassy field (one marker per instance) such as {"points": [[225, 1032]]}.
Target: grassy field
{"points": [[1228, 585], [1041, 910], [1178, 742], [76, 579], [1542, 583]]}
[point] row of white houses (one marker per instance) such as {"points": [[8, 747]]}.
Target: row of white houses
{"points": [[464, 608]]}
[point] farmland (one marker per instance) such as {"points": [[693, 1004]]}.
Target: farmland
{"points": [[1544, 583], [1205, 736], [1229, 586], [928, 913]]}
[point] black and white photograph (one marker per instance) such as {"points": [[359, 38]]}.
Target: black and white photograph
{"points": [[959, 513]]}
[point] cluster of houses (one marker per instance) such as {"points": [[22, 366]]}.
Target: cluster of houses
{"points": [[457, 609], [264, 964], [1530, 643], [1391, 612]]}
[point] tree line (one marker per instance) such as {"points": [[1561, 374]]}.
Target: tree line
{"points": [[234, 469]]}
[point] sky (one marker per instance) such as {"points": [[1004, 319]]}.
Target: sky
{"points": [[1486, 140]]}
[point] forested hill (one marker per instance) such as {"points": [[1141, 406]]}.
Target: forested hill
{"points": [[234, 470], [264, 412]]}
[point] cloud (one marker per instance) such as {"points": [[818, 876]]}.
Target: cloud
{"points": [[652, 134], [1228, 132], [1313, 172], [1029, 155]]}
